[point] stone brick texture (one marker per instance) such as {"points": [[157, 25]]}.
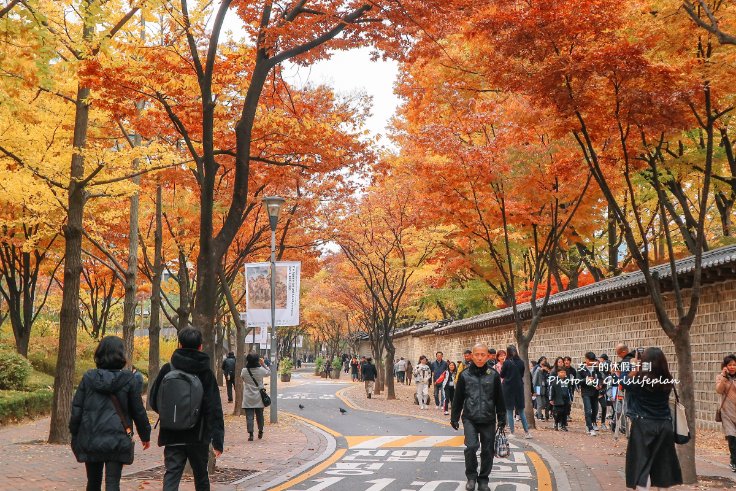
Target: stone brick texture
{"points": [[599, 328]]}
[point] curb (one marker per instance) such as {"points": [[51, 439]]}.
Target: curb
{"points": [[290, 474]]}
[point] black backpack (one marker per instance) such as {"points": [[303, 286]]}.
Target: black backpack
{"points": [[179, 400]]}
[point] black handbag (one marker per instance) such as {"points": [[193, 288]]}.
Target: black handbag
{"points": [[128, 429], [265, 398]]}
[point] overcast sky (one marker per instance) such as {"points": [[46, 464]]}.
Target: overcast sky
{"points": [[347, 72]]}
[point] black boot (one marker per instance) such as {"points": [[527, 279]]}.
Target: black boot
{"points": [[250, 436], [470, 485], [260, 434]]}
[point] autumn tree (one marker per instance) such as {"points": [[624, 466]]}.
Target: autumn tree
{"points": [[386, 251]]}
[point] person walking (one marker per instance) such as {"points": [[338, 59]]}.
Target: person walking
{"points": [[590, 381], [540, 383], [651, 459], [228, 369], [422, 377], [501, 358], [328, 368], [512, 375], [439, 367], [401, 370], [252, 376], [449, 385], [188, 444], [479, 402], [409, 372], [467, 360], [559, 398], [354, 368], [104, 407], [369, 376], [726, 387], [605, 370]]}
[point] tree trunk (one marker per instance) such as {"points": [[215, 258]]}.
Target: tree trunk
{"points": [[612, 243], [131, 273], [683, 351], [20, 333], [389, 375], [240, 353], [219, 347], [528, 406], [65, 361], [154, 326], [184, 293]]}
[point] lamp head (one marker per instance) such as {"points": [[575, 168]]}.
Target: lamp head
{"points": [[273, 207]]}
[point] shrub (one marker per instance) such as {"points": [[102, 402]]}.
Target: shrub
{"points": [[14, 370], [285, 366], [15, 405]]}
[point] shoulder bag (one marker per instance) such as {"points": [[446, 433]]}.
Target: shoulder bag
{"points": [[682, 432], [719, 418], [128, 429], [265, 398]]}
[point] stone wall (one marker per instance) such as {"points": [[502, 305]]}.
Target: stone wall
{"points": [[600, 328]]}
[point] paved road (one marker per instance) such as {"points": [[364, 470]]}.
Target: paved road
{"points": [[390, 452]]}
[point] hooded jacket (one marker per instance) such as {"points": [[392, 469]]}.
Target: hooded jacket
{"points": [[479, 396], [228, 365], [98, 435], [211, 425]]}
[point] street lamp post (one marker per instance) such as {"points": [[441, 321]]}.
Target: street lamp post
{"points": [[273, 206]]}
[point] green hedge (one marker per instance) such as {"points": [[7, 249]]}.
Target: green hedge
{"points": [[16, 405]]}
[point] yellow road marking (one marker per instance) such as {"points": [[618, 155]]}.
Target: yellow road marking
{"points": [[357, 440], [314, 423], [347, 401], [403, 441], [455, 441], [313, 472], [544, 481]]}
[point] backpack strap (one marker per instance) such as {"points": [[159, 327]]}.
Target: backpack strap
{"points": [[121, 415]]}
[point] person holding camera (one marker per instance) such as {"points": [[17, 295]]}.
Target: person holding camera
{"points": [[479, 401], [726, 387], [252, 376]]}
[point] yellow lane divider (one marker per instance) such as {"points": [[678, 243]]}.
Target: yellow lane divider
{"points": [[314, 423], [544, 480], [313, 471]]}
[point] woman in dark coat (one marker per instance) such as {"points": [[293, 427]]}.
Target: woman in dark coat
{"points": [[650, 455], [99, 437], [512, 373]]}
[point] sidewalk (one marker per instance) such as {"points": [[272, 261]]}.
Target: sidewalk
{"points": [[30, 464], [591, 463]]}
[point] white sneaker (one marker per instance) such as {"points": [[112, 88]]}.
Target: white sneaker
{"points": [[446, 413], [603, 426], [528, 435], [593, 433], [595, 428]]}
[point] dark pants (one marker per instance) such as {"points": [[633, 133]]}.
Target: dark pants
{"points": [[449, 394], [112, 476], [400, 377], [437, 394], [590, 404], [258, 413], [651, 453], [732, 448], [478, 436], [175, 458], [561, 412], [230, 381], [604, 408]]}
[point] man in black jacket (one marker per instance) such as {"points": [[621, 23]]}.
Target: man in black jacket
{"points": [[192, 444], [228, 369], [479, 398], [590, 381]]}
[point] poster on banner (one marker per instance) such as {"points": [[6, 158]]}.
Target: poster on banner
{"points": [[258, 293]]}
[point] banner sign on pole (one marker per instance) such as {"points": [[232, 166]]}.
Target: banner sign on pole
{"points": [[258, 293]]}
